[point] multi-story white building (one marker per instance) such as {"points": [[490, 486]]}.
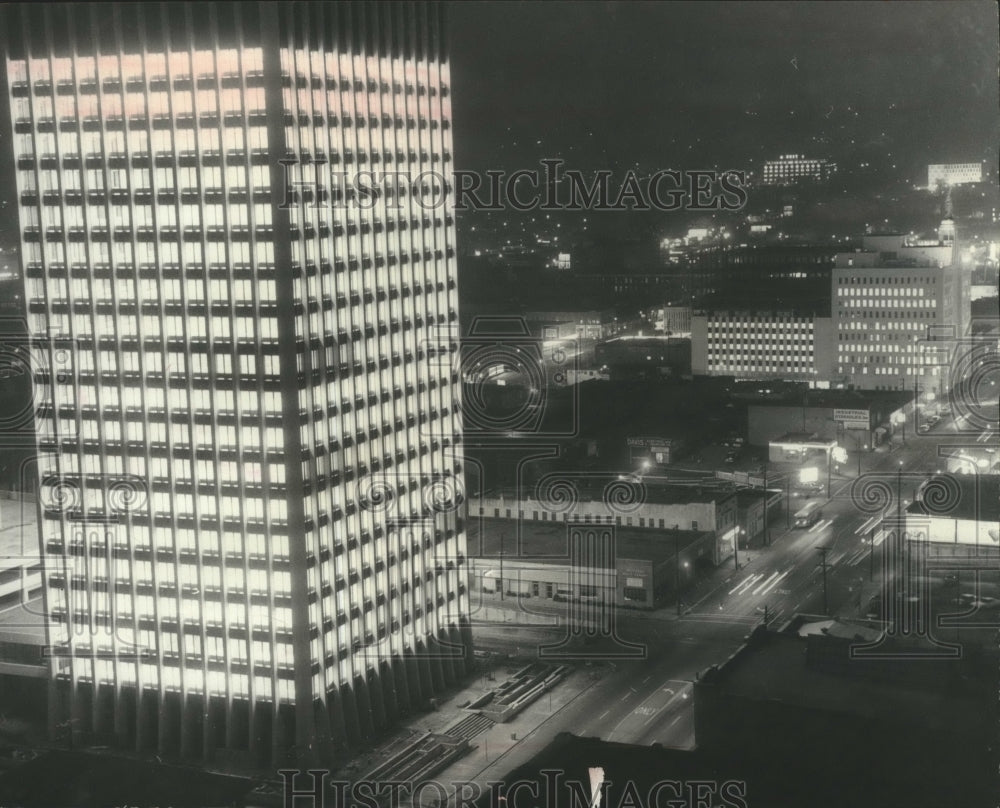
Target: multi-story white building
{"points": [[246, 450], [762, 345], [789, 169], [891, 300], [953, 174]]}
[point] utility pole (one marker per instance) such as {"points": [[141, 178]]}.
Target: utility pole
{"points": [[829, 464], [736, 540], [871, 552], [822, 552], [501, 566], [788, 503], [899, 496], [677, 572], [958, 600], [767, 536]]}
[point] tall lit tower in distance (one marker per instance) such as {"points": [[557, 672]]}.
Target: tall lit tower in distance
{"points": [[248, 474]]}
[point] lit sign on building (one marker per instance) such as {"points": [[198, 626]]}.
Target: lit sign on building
{"points": [[852, 419], [656, 449]]}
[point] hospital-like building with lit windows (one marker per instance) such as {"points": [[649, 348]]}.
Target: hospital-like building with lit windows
{"points": [[753, 344], [898, 306], [246, 407]]}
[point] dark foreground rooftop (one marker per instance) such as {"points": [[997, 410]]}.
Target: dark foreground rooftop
{"points": [[88, 780], [657, 776]]}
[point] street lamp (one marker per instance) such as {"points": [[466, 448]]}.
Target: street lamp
{"points": [[677, 572], [767, 536], [788, 502], [501, 565], [823, 552], [899, 508]]}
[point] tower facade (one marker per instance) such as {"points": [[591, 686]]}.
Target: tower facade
{"points": [[892, 301], [247, 412]]}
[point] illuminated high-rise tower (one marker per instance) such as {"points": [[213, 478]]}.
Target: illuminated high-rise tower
{"points": [[246, 409]]}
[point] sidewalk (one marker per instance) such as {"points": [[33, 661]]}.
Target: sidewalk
{"points": [[449, 710], [488, 744]]}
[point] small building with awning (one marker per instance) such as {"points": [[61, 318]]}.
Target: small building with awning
{"points": [[797, 447]]}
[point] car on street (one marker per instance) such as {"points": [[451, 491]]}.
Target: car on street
{"points": [[808, 490]]}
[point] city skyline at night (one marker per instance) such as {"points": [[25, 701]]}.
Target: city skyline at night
{"points": [[468, 405]]}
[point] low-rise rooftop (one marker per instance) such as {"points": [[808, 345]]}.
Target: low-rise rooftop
{"points": [[548, 542], [973, 497], [840, 399]]}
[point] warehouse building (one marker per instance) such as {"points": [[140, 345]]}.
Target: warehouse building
{"points": [[592, 564]]}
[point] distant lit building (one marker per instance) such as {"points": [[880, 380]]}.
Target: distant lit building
{"points": [[762, 345], [570, 324], [790, 169], [673, 320], [758, 275], [891, 297], [954, 174]]}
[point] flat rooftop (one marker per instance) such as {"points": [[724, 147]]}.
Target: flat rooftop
{"points": [[840, 399], [979, 499], [24, 623], [654, 492], [773, 667], [801, 437], [748, 496], [18, 533], [547, 542]]}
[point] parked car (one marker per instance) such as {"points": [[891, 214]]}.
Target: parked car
{"points": [[923, 429], [731, 457]]}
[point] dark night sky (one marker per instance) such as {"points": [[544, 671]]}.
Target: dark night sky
{"points": [[674, 84], [691, 85]]}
